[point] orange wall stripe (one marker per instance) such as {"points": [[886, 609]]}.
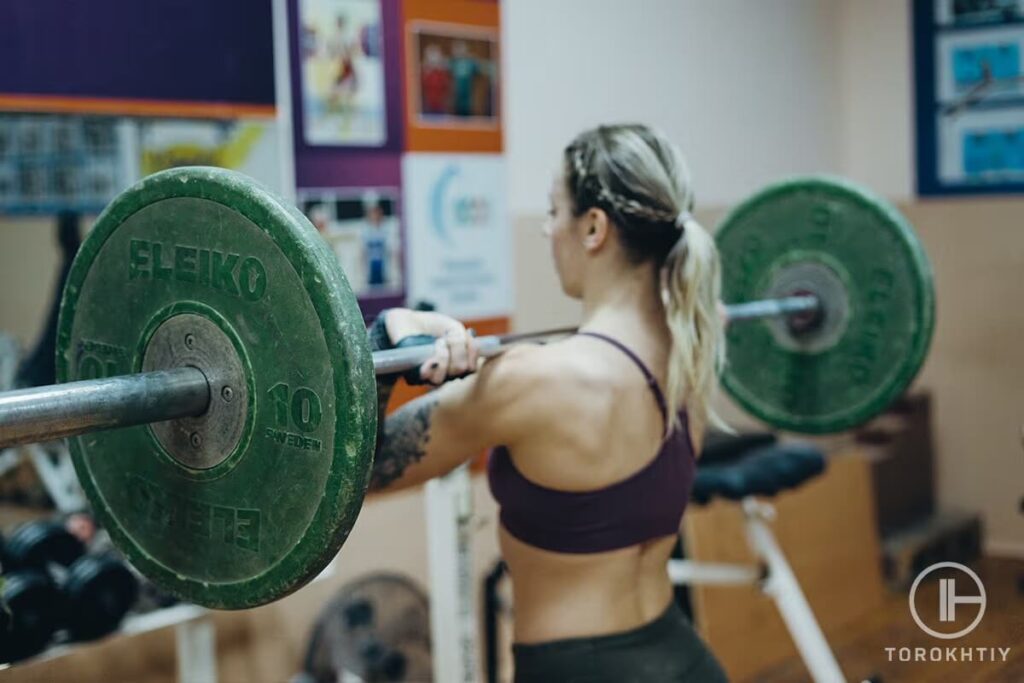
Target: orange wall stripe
{"points": [[130, 107]]}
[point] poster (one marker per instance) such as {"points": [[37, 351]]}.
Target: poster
{"points": [[51, 163], [984, 57], [341, 46], [458, 233], [251, 146], [363, 228], [970, 96], [981, 124], [982, 146]]}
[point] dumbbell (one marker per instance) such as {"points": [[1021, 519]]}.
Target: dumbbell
{"points": [[34, 605], [36, 544], [29, 615], [89, 602], [94, 592], [98, 591]]}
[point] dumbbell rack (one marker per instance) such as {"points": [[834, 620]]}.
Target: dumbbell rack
{"points": [[193, 630], [194, 636]]}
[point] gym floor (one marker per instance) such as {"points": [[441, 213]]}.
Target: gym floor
{"points": [[858, 644]]}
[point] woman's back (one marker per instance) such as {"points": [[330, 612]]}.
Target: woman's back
{"points": [[599, 473]]}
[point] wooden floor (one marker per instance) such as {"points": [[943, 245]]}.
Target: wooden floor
{"points": [[860, 647]]}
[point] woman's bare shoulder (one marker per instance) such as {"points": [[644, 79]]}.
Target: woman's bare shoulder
{"points": [[542, 366]]}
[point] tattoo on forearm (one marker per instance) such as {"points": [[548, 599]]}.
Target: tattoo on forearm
{"points": [[401, 439]]}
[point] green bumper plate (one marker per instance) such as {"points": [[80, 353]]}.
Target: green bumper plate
{"points": [[862, 259], [269, 515]]}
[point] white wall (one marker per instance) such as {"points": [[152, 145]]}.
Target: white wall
{"points": [[876, 110], [29, 259], [752, 90], [747, 87]]}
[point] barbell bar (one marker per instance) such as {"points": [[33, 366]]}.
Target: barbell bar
{"points": [[62, 410]]}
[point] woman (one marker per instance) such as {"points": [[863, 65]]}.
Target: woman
{"points": [[597, 433]]}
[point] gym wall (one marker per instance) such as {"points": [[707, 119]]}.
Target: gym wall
{"points": [[976, 245]]}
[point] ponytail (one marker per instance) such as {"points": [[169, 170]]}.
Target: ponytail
{"points": [[640, 179], [691, 288]]}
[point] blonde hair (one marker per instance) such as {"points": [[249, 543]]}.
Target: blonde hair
{"points": [[639, 178]]}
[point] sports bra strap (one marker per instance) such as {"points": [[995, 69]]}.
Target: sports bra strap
{"points": [[652, 382]]}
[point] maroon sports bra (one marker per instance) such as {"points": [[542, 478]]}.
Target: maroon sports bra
{"points": [[646, 505]]}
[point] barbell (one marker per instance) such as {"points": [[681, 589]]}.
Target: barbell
{"points": [[75, 408], [219, 392]]}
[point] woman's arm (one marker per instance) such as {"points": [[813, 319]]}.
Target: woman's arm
{"points": [[436, 433], [402, 442]]}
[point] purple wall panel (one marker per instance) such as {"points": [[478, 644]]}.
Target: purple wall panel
{"points": [[175, 50]]}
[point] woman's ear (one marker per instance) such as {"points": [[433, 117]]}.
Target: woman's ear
{"points": [[595, 227]]}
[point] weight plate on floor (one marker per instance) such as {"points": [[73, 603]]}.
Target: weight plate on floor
{"points": [[861, 258], [203, 267]]}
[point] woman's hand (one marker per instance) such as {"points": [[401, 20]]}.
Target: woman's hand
{"points": [[455, 351], [723, 313]]}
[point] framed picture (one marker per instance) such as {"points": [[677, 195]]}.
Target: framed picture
{"points": [[963, 12], [454, 76]]}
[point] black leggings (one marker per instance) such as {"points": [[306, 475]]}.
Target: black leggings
{"points": [[665, 650]]}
